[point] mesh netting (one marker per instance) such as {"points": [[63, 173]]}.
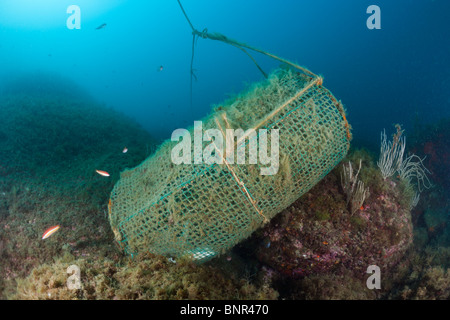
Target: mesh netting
{"points": [[202, 210]]}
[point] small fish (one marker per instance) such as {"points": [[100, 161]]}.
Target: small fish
{"points": [[125, 150], [49, 232], [102, 173], [101, 26], [161, 68]]}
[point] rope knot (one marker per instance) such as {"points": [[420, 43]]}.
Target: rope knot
{"points": [[204, 33]]}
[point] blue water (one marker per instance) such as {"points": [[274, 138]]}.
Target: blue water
{"points": [[392, 75]]}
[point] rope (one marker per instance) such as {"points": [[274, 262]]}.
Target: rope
{"points": [[223, 38], [187, 18], [235, 176], [316, 81], [242, 46], [192, 74]]}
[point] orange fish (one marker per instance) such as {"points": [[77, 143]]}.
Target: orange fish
{"points": [[49, 232], [102, 173]]}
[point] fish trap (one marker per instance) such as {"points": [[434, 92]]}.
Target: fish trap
{"points": [[201, 210]]}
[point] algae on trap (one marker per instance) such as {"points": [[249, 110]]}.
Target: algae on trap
{"points": [[201, 210]]}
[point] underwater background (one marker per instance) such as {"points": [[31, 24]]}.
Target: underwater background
{"points": [[72, 99]]}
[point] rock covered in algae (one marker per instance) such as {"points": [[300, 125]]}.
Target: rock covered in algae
{"points": [[318, 234], [53, 137], [149, 277]]}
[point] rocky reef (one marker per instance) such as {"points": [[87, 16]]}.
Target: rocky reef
{"points": [[318, 237]]}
